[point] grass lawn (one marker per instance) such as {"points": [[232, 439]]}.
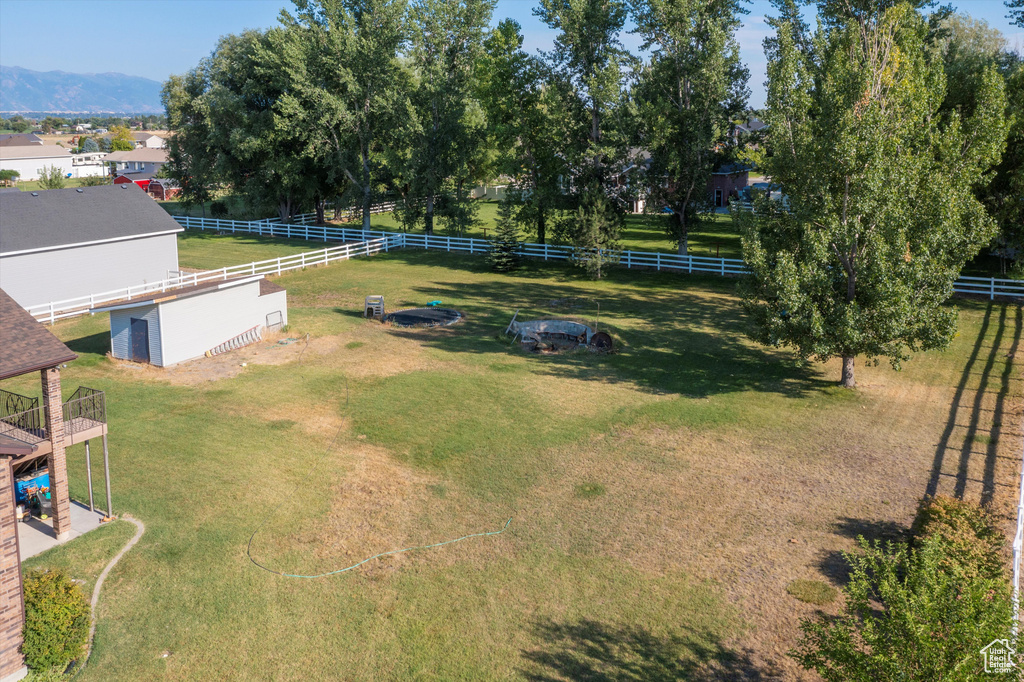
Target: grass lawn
{"points": [[663, 497]]}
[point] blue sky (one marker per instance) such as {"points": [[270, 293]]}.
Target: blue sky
{"points": [[156, 38]]}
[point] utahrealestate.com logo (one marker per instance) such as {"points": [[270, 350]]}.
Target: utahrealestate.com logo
{"points": [[999, 657]]}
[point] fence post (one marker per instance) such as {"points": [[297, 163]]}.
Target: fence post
{"points": [[992, 289], [657, 260], [723, 267], [224, 270], [279, 265], [545, 251]]}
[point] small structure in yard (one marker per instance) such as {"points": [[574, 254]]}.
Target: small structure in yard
{"points": [[373, 307], [423, 317], [553, 336], [165, 328], [35, 438], [163, 189]]}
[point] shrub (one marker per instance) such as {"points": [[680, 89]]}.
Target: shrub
{"points": [[218, 209], [56, 620], [504, 253], [973, 545], [907, 617]]}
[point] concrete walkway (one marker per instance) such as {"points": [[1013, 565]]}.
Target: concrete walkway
{"points": [[36, 536]]}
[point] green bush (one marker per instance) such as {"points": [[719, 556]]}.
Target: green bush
{"points": [[973, 545], [921, 610], [56, 620], [218, 209], [907, 617]]}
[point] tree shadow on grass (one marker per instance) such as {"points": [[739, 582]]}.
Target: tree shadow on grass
{"points": [[601, 652], [833, 564], [684, 341]]}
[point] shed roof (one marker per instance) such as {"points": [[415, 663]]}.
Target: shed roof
{"points": [[158, 297], [56, 218], [25, 344]]}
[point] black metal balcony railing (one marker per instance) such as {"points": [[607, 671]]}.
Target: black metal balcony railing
{"points": [[84, 410]]}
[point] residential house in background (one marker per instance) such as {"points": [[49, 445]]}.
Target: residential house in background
{"points": [[143, 139], [727, 181], [138, 166], [63, 243], [19, 139], [28, 160]]}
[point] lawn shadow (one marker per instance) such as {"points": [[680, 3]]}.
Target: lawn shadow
{"points": [[596, 651], [676, 335], [966, 410], [833, 564], [98, 343]]}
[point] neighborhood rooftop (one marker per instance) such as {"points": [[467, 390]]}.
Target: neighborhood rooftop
{"points": [[144, 154], [32, 151], [25, 344], [31, 221]]}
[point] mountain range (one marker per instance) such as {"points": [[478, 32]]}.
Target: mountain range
{"points": [[24, 90]]}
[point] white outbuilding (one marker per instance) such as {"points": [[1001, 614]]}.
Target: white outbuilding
{"points": [[181, 324]]}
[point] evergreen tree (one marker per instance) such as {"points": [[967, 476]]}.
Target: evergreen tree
{"points": [[504, 253], [593, 230]]}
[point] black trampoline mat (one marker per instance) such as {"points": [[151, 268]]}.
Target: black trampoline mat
{"points": [[423, 317]]}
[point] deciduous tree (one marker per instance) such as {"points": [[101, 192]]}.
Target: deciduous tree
{"points": [[882, 215], [694, 85]]}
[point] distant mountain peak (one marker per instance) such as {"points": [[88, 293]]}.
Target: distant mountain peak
{"points": [[25, 90]]}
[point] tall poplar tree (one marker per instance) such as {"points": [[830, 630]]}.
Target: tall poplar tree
{"points": [[688, 94], [447, 41], [882, 215]]}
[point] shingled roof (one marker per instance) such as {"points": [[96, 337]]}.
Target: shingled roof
{"points": [[25, 344], [55, 218]]}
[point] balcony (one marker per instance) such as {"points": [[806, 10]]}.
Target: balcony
{"points": [[24, 419]]}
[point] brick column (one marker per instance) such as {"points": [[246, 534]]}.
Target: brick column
{"points": [[12, 606], [57, 460]]}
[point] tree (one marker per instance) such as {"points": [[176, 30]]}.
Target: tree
{"points": [[694, 85], [121, 139], [525, 117], [593, 230], [1016, 14], [191, 160], [9, 177], [362, 93], [504, 253], [882, 217], [89, 146], [51, 177], [447, 40]]}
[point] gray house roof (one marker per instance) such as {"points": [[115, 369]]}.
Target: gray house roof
{"points": [[57, 218]]}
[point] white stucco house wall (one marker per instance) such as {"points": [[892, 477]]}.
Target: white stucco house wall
{"points": [[166, 328], [63, 243], [28, 160], [141, 160]]}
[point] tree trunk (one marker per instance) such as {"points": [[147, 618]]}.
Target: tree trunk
{"points": [[542, 226], [367, 189], [848, 380], [428, 218], [318, 206]]}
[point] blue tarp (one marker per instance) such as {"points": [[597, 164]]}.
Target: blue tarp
{"points": [[40, 481]]}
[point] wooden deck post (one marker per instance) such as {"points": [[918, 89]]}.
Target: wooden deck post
{"points": [[57, 459], [88, 475], [106, 476]]}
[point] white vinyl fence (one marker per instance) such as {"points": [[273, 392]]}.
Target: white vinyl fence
{"points": [[56, 310], [980, 286], [1018, 550], [360, 243]]}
